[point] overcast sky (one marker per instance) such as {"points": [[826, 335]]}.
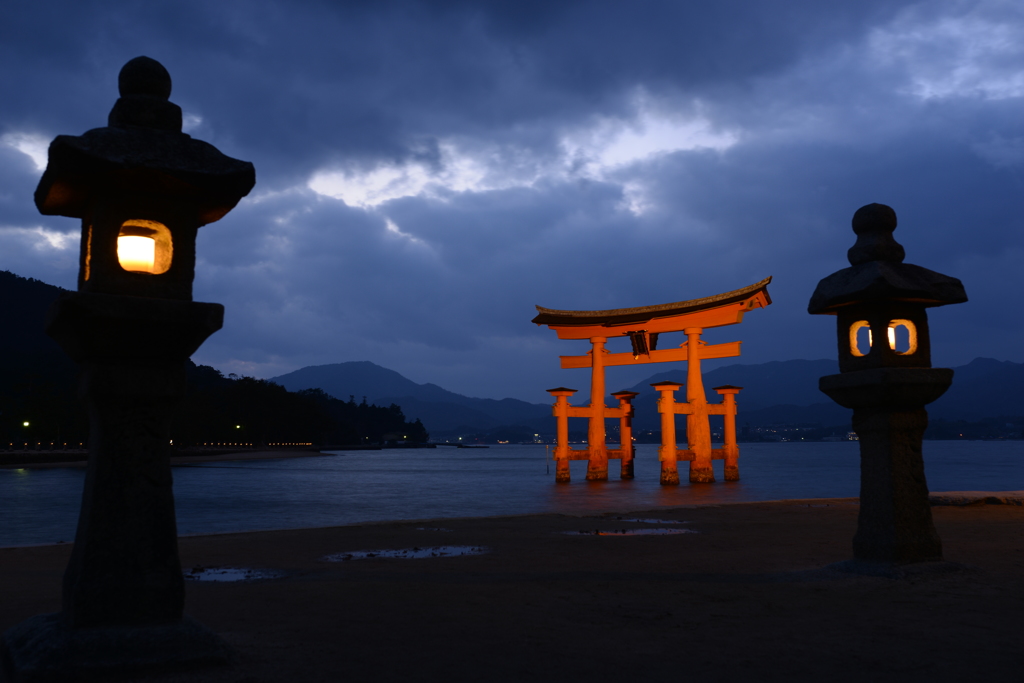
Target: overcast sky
{"points": [[428, 171]]}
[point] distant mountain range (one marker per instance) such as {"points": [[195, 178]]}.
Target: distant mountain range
{"points": [[440, 410], [778, 392]]}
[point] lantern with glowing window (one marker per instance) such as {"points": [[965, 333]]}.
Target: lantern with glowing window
{"points": [[142, 188], [886, 377]]}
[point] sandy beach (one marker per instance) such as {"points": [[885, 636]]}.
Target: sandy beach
{"points": [[749, 596]]}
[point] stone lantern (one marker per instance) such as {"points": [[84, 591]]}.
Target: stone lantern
{"points": [[142, 189], [886, 377]]}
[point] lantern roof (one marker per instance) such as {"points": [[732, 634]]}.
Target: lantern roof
{"points": [[641, 314], [877, 272], [142, 150]]}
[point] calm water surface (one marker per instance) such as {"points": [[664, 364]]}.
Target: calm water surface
{"points": [[41, 506]]}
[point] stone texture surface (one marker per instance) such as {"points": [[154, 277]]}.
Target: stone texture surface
{"points": [[888, 388], [125, 567], [895, 521], [103, 327]]}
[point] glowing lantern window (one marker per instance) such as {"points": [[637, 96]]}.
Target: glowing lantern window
{"points": [[899, 331], [144, 247], [860, 342]]}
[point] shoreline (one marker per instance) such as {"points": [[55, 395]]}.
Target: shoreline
{"points": [[937, 499], [750, 592], [176, 461]]}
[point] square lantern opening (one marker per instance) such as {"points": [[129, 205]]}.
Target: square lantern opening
{"points": [[144, 246]]}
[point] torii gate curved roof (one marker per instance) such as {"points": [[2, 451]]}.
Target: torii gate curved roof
{"points": [[712, 311]]}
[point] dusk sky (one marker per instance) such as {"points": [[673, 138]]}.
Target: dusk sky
{"points": [[428, 171]]}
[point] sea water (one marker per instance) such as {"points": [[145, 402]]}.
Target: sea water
{"points": [[349, 487]]}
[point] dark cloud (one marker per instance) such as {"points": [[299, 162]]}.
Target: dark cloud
{"points": [[427, 172]]}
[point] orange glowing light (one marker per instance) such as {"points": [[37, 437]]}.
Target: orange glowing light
{"points": [[136, 253], [144, 246]]}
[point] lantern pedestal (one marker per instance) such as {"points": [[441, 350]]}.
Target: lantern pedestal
{"points": [[46, 648], [123, 591], [895, 520]]}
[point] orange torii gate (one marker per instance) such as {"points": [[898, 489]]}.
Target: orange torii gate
{"points": [[643, 325]]}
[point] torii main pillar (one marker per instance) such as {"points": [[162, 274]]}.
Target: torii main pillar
{"points": [[597, 467]]}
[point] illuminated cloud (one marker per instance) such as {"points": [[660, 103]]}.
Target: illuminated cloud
{"points": [[40, 238], [598, 150], [977, 53], [30, 144]]}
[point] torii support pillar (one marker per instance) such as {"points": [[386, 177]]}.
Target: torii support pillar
{"points": [[626, 448], [561, 413], [732, 449], [668, 453]]}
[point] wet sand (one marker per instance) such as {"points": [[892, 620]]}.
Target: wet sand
{"points": [[747, 598]]}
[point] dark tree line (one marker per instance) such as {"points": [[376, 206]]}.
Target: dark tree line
{"points": [[222, 409], [216, 409], [38, 381], [39, 386]]}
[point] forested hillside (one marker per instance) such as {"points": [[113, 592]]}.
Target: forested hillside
{"points": [[39, 400]]}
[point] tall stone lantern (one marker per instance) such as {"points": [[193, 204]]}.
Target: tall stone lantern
{"points": [[142, 189], [886, 377]]}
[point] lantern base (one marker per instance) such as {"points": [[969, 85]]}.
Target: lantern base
{"points": [[45, 648]]}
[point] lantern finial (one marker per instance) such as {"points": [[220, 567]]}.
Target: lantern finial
{"points": [[145, 87], [874, 225], [146, 77]]}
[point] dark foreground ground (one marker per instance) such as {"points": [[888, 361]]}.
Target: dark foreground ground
{"points": [[745, 599]]}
